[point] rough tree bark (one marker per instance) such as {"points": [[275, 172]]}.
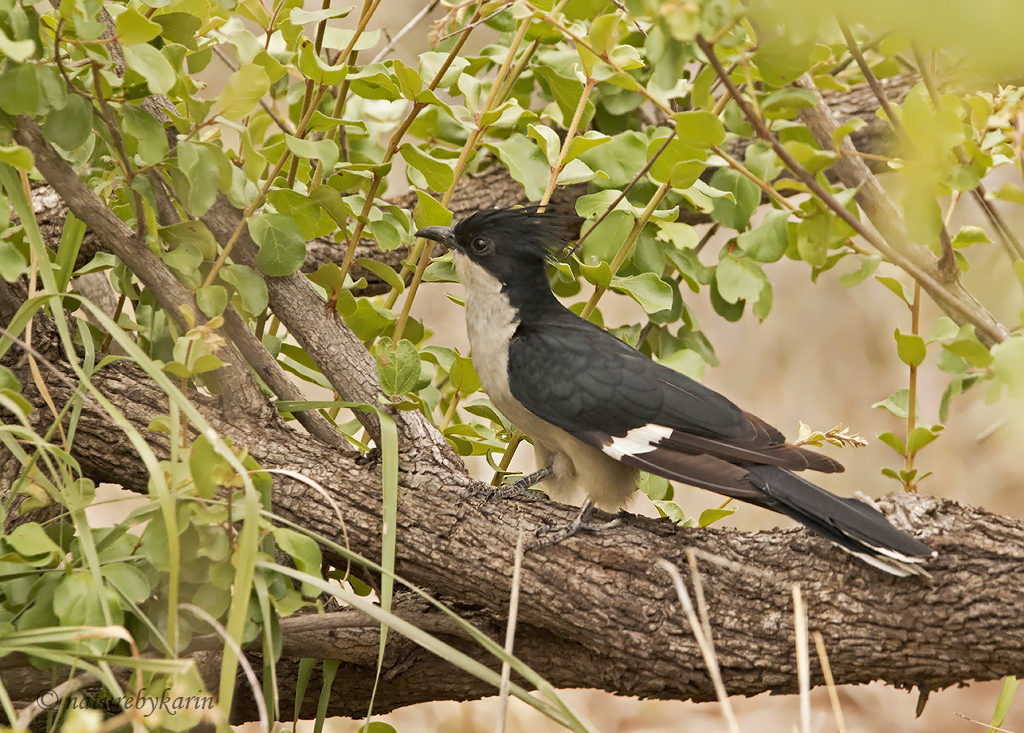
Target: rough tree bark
{"points": [[595, 611]]}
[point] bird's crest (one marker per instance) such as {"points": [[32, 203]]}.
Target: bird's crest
{"points": [[524, 232]]}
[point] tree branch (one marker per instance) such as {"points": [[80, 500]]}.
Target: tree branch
{"points": [[609, 614], [950, 295], [243, 396]]}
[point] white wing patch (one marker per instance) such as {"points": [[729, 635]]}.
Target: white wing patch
{"points": [[639, 440]]}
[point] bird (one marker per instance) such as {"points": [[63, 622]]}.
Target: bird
{"points": [[599, 411]]}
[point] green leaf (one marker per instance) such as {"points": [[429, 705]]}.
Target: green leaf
{"points": [[463, 375], [895, 286], [897, 403], [675, 153], [699, 128], [847, 128], [185, 258], [1006, 695], [150, 139], [16, 51], [383, 271], [193, 233], [656, 487], [738, 278], [746, 197], [313, 67], [810, 157], [339, 38], [923, 215], [134, 28], [398, 366], [31, 90], [212, 300], [179, 27], [766, 242], [893, 441], [786, 102], [438, 174], [922, 436], [12, 263], [430, 63], [525, 163], [299, 16], [969, 235], [243, 92], [304, 552], [620, 159], [970, 348], [910, 347], [1008, 365], [313, 219], [582, 143], [600, 273], [151, 65], [282, 248], [868, 265], [650, 291], [943, 329], [710, 516], [430, 212], [604, 33], [71, 125], [76, 602], [33, 544], [201, 177], [548, 140], [17, 156], [680, 234], [326, 151], [129, 581], [729, 311]]}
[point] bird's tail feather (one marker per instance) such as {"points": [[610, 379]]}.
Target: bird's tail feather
{"points": [[855, 526]]}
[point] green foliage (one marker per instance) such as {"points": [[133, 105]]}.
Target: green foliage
{"points": [[302, 138]]}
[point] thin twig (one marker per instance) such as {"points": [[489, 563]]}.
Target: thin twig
{"points": [[413, 22]]}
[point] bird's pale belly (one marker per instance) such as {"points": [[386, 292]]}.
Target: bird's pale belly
{"points": [[580, 470]]}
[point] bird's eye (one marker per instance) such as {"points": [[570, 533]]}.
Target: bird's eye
{"points": [[481, 246]]}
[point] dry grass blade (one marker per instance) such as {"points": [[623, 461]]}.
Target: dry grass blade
{"points": [[510, 635], [803, 658], [986, 725], [254, 685], [830, 683], [707, 651]]}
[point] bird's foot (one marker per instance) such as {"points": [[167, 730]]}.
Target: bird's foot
{"points": [[553, 534], [518, 489]]}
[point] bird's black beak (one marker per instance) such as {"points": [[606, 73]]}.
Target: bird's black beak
{"points": [[444, 235]]}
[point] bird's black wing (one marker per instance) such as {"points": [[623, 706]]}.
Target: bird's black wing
{"points": [[609, 395]]}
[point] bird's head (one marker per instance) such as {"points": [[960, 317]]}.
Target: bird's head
{"points": [[507, 243]]}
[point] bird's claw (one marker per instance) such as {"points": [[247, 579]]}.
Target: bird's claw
{"points": [[518, 489], [508, 491], [556, 534]]}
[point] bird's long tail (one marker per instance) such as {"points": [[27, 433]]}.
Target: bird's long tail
{"points": [[857, 527]]}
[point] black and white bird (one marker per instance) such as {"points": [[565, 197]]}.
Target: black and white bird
{"points": [[599, 411]]}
